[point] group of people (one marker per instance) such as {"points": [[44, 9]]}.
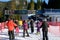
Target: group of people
{"points": [[11, 25]]}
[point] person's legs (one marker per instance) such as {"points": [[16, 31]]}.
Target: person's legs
{"points": [[23, 32], [9, 33], [13, 37], [46, 35], [43, 35], [38, 30], [27, 33], [32, 29]]}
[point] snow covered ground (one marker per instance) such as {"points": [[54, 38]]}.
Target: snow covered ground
{"points": [[34, 36]]}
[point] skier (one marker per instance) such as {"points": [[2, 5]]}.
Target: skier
{"points": [[32, 25], [25, 28], [17, 28], [38, 24], [11, 25], [17, 31], [44, 27]]}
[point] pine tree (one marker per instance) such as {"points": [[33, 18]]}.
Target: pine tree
{"points": [[38, 5], [31, 5], [13, 5], [22, 4]]}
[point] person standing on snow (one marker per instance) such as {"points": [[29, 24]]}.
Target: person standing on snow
{"points": [[17, 28], [38, 24], [32, 25], [11, 25], [44, 27], [25, 28]]}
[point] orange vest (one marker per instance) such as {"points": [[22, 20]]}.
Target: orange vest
{"points": [[11, 25]]}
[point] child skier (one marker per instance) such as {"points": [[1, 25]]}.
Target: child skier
{"points": [[17, 31], [25, 28], [17, 28], [38, 24]]}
